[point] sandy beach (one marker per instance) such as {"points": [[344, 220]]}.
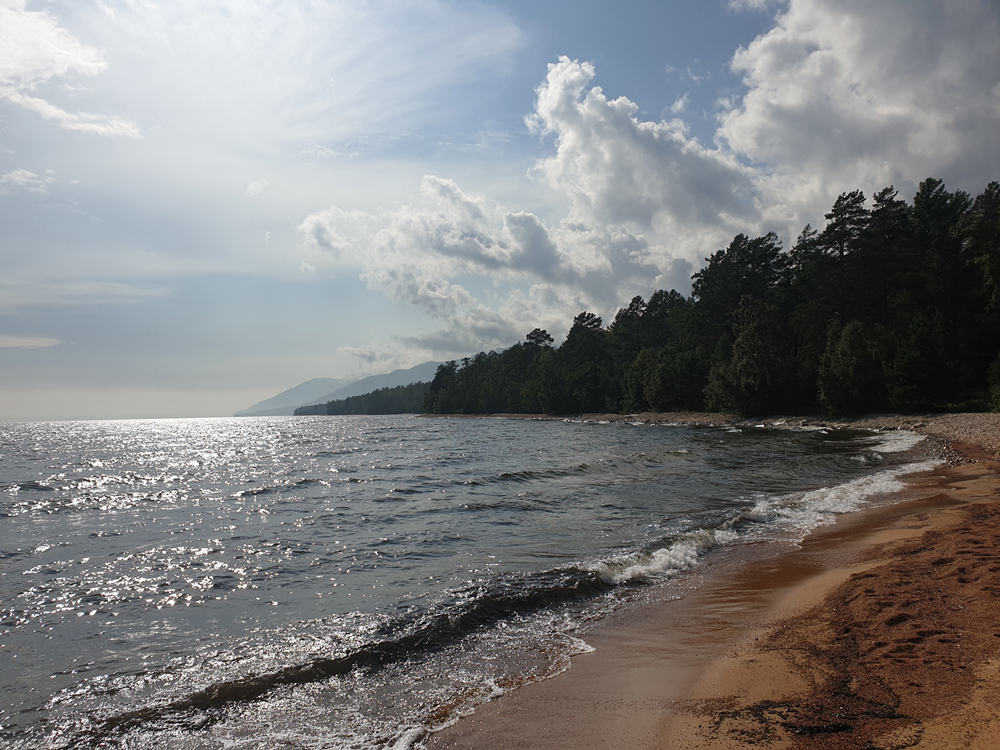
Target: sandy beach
{"points": [[879, 631]]}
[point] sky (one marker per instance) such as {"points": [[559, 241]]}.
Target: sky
{"points": [[203, 203]]}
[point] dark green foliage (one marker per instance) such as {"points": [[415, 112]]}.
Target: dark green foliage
{"points": [[586, 358], [895, 306], [524, 378], [310, 410], [544, 390], [841, 242], [851, 377], [538, 337], [981, 231], [994, 380], [403, 399], [439, 398], [664, 379], [747, 268], [751, 380], [916, 376]]}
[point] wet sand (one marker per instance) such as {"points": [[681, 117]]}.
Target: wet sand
{"points": [[880, 631]]}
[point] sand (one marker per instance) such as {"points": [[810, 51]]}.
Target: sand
{"points": [[880, 631]]}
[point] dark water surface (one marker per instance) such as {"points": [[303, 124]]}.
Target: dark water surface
{"points": [[350, 582]]}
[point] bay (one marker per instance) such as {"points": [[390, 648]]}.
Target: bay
{"points": [[353, 582]]}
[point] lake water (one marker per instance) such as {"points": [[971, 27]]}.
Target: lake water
{"points": [[352, 582]]}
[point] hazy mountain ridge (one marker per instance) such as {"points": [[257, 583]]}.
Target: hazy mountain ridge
{"points": [[322, 390], [421, 373], [286, 401]]}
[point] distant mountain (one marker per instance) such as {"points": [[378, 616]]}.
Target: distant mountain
{"points": [[421, 373], [321, 390], [286, 401]]}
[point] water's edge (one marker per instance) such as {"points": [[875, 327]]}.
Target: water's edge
{"points": [[211, 599]]}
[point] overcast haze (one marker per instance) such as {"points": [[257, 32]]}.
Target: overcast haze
{"points": [[205, 203]]}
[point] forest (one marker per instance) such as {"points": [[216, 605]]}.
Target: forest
{"points": [[403, 399], [892, 306]]}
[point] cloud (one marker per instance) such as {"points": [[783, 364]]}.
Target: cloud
{"points": [[24, 180], [256, 187], [33, 50], [19, 295], [412, 252], [471, 331], [334, 234], [317, 76], [81, 121], [36, 48], [619, 170], [846, 94], [840, 94], [27, 342], [542, 306], [759, 5], [426, 252], [647, 202]]}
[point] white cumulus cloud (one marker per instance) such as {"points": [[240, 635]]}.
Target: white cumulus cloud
{"points": [[846, 94], [753, 4], [420, 253], [620, 170], [840, 95]]}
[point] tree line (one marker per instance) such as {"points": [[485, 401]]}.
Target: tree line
{"points": [[891, 306], [403, 399]]}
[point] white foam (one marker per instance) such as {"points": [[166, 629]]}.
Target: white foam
{"points": [[578, 645], [563, 660], [679, 556], [896, 441], [801, 513], [495, 690], [410, 738]]}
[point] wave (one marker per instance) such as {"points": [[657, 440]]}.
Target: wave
{"points": [[474, 608], [896, 441], [460, 613], [95, 492], [800, 513], [29, 486], [102, 501], [528, 475], [652, 539], [771, 516], [457, 614], [665, 561]]}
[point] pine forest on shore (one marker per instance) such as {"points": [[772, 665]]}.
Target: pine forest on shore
{"points": [[893, 306]]}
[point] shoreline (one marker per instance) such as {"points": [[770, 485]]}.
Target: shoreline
{"points": [[959, 438], [878, 631]]}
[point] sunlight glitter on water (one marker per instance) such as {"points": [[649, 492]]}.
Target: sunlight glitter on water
{"points": [[385, 573]]}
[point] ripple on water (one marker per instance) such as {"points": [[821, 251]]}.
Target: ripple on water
{"points": [[360, 579]]}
